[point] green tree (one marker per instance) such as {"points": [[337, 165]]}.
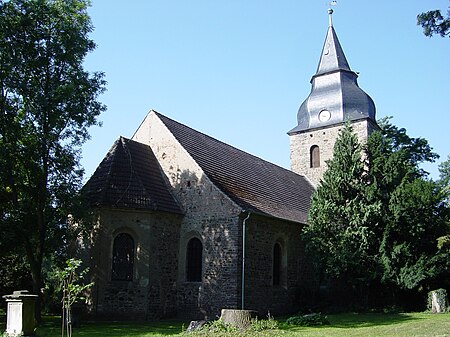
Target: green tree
{"points": [[409, 244], [433, 22], [47, 103], [413, 151], [339, 231], [443, 243], [412, 213], [444, 177], [379, 220], [73, 289]]}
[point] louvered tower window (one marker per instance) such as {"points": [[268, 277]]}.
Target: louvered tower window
{"points": [[314, 156], [194, 260], [123, 257]]}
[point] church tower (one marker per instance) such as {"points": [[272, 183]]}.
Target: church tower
{"points": [[335, 98]]}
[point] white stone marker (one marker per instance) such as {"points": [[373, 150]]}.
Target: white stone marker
{"points": [[20, 319]]}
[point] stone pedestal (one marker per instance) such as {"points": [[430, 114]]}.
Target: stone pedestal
{"points": [[20, 319]]}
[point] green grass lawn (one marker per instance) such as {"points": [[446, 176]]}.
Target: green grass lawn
{"points": [[366, 325]]}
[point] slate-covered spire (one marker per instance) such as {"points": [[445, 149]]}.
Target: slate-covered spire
{"points": [[332, 57], [335, 95]]}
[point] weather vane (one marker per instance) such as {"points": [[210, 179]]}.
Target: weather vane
{"points": [[330, 11]]}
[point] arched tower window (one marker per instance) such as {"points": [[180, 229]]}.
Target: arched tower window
{"points": [[123, 258], [194, 260], [277, 261], [314, 156]]}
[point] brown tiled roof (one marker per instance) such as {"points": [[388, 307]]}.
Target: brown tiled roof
{"points": [[130, 177], [253, 183]]}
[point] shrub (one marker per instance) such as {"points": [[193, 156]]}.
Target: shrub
{"points": [[315, 319], [216, 327], [264, 324]]}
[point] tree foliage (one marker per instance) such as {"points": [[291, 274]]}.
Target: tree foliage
{"points": [[444, 177], [433, 22], [409, 242], [379, 218], [73, 289], [339, 230], [47, 103]]}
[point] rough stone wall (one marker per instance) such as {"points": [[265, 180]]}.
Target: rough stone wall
{"points": [[209, 216], [152, 292], [298, 280], [325, 138]]}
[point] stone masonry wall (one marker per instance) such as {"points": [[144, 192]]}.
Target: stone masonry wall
{"points": [[325, 138], [209, 216], [298, 280], [152, 292]]}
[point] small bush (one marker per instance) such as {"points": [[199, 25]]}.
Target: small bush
{"points": [[219, 327], [263, 324], [216, 327], [315, 319]]}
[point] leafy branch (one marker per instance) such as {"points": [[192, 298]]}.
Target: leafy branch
{"points": [[72, 291]]}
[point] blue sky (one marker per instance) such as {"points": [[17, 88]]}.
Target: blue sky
{"points": [[238, 70]]}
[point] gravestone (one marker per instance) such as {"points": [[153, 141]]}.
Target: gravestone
{"points": [[20, 319], [438, 299], [195, 325]]}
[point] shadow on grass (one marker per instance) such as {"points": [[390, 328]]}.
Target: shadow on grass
{"points": [[51, 326], [359, 320]]}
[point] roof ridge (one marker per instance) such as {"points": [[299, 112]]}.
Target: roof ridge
{"points": [[133, 172], [253, 183], [111, 156], [161, 116]]}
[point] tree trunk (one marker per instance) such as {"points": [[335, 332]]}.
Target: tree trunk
{"points": [[240, 319], [36, 277]]}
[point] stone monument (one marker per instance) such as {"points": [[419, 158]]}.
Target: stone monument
{"points": [[20, 319]]}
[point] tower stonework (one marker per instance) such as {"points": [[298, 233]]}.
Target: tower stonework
{"points": [[335, 99], [302, 142]]}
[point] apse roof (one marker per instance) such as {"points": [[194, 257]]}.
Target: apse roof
{"points": [[130, 177]]}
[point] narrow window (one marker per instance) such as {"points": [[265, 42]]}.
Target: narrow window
{"points": [[123, 258], [194, 260], [277, 264], [314, 156]]}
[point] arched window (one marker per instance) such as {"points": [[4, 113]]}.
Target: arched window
{"points": [[123, 257], [194, 260], [277, 261], [314, 156]]}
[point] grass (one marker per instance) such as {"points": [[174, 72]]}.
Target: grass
{"points": [[348, 325]]}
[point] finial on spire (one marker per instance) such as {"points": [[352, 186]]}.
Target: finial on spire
{"points": [[330, 12]]}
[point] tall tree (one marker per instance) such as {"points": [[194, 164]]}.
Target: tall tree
{"points": [[379, 220], [413, 150], [339, 231], [47, 103], [412, 213], [433, 22], [444, 177], [409, 243]]}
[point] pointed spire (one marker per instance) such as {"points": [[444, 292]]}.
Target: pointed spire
{"points": [[332, 57], [335, 95]]}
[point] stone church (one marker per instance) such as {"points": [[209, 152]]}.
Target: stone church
{"points": [[186, 225]]}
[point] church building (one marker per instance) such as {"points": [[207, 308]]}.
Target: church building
{"points": [[186, 225]]}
